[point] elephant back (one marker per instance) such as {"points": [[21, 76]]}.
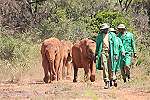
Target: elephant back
{"points": [[50, 43]]}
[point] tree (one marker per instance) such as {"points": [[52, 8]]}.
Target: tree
{"points": [[124, 4]]}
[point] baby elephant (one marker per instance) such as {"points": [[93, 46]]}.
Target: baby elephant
{"points": [[83, 56], [51, 58], [66, 59]]}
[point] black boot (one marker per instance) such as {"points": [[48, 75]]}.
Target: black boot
{"points": [[125, 80], [110, 84], [115, 83], [106, 85]]}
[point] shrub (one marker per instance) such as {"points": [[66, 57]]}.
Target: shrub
{"points": [[16, 56], [114, 18]]}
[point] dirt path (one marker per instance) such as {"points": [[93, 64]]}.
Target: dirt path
{"points": [[32, 87]]}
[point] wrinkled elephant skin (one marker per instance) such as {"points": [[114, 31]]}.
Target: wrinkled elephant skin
{"points": [[83, 55], [66, 55], [50, 51]]}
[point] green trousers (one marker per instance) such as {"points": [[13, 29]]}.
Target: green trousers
{"points": [[108, 74], [125, 66]]}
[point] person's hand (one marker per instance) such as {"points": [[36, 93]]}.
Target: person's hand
{"points": [[134, 55], [95, 58], [123, 53], [116, 57]]}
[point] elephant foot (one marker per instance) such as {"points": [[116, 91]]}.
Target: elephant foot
{"points": [[46, 79], [74, 80], [58, 78], [92, 78], [53, 77]]}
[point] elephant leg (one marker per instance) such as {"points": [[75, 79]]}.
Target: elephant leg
{"points": [[93, 72], [68, 65], [45, 65], [87, 73], [75, 73], [52, 71], [63, 62], [58, 68], [61, 70]]}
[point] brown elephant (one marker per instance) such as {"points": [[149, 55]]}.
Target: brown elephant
{"points": [[66, 54], [51, 58], [83, 56]]}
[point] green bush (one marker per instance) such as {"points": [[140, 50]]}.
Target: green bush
{"points": [[16, 56], [68, 30], [12, 49], [114, 18]]}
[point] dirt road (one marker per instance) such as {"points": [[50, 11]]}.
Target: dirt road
{"points": [[32, 87]]}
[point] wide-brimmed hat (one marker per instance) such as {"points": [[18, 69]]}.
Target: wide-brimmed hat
{"points": [[104, 26], [121, 26], [112, 30]]}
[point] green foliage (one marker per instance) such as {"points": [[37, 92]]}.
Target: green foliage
{"points": [[12, 49], [114, 18], [16, 56], [64, 28], [137, 1]]}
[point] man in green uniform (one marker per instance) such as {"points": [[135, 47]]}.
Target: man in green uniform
{"points": [[106, 53], [120, 53], [129, 46]]}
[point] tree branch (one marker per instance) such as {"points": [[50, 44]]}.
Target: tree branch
{"points": [[120, 2], [128, 5]]}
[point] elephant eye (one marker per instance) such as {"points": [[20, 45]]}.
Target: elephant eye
{"points": [[90, 51], [87, 46]]}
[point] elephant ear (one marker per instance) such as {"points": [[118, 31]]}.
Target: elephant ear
{"points": [[42, 49], [90, 49]]}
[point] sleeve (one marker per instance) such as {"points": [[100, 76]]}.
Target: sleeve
{"points": [[121, 45], [115, 44], [133, 44], [97, 44]]}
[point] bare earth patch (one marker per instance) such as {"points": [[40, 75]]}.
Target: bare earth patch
{"points": [[32, 87]]}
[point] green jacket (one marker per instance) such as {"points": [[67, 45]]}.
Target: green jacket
{"points": [[112, 47], [120, 49], [128, 42]]}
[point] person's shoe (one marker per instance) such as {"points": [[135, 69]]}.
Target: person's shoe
{"points": [[111, 84], [106, 85], [125, 80], [115, 83], [128, 77], [74, 80]]}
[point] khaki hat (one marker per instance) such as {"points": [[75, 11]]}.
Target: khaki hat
{"points": [[104, 26], [112, 30], [121, 26]]}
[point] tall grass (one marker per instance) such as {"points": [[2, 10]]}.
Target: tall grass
{"points": [[16, 57]]}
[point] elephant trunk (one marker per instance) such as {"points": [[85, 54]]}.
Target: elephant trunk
{"points": [[69, 58], [51, 65]]}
